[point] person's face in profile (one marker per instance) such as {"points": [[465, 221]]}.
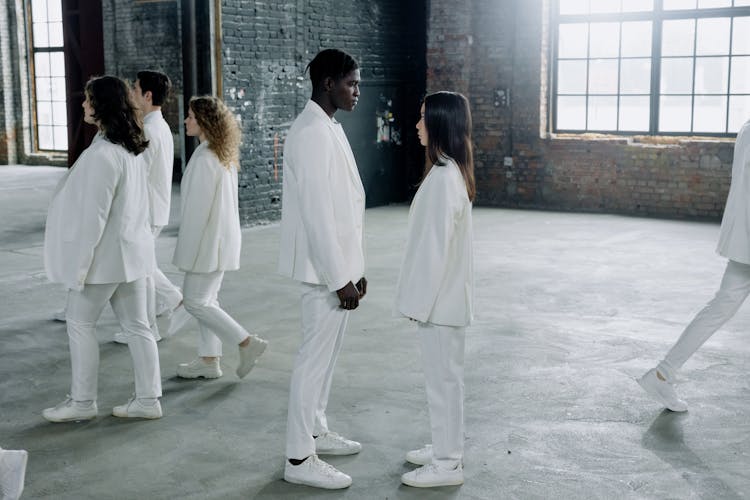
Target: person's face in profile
{"points": [[422, 128], [345, 91], [88, 111], [192, 129], [137, 95]]}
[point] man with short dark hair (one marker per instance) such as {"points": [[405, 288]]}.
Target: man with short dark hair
{"points": [[322, 246]]}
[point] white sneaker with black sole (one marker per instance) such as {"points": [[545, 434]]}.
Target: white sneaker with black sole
{"points": [[661, 390]]}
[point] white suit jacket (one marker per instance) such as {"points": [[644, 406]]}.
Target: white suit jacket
{"points": [[159, 158], [734, 237], [436, 283], [210, 238], [323, 204], [97, 228]]}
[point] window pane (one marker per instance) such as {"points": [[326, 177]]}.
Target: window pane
{"points": [[39, 11], [571, 113], [741, 35], [43, 89], [573, 40], [674, 114], [714, 4], [738, 3], [636, 39], [604, 40], [574, 7], [602, 113], [44, 113], [740, 83], [605, 6], [710, 114], [571, 77], [58, 88], [55, 35], [61, 138], [739, 112], [57, 64], [677, 75], [638, 5], [711, 75], [45, 138], [713, 36], [679, 4], [603, 76], [54, 10], [677, 37], [59, 114], [41, 64], [634, 113], [635, 76], [41, 39]]}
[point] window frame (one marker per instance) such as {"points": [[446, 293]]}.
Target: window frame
{"points": [[657, 16]]}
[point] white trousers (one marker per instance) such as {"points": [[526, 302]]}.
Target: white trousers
{"points": [[443, 362], [323, 327], [128, 301], [734, 289], [201, 299], [166, 296]]}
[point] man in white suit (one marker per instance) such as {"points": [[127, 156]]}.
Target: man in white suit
{"points": [[322, 247], [150, 90], [734, 244]]}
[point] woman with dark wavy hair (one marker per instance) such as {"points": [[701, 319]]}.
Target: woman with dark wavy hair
{"points": [[210, 239], [98, 243], [436, 284]]}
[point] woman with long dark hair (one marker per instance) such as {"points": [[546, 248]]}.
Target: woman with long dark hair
{"points": [[436, 283], [210, 239], [98, 244]]}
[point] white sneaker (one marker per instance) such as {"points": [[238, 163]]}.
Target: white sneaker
{"points": [[198, 368], [60, 315], [135, 409], [71, 411], [176, 321], [249, 355], [12, 473], [316, 473], [332, 443], [422, 456], [432, 475], [662, 391]]}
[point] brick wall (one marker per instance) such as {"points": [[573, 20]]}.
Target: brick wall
{"points": [[507, 51]]}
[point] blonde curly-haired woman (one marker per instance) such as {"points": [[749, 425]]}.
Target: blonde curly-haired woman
{"points": [[210, 239]]}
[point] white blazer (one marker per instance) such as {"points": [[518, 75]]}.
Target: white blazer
{"points": [[734, 237], [159, 158], [436, 283], [97, 228], [210, 238], [323, 204]]}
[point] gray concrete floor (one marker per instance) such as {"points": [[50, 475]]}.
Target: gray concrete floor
{"points": [[570, 308]]}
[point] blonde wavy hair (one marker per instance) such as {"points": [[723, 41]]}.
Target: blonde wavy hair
{"points": [[220, 127]]}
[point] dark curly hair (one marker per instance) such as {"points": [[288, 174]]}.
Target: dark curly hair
{"points": [[115, 113]]}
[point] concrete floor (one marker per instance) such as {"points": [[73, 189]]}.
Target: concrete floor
{"points": [[570, 307]]}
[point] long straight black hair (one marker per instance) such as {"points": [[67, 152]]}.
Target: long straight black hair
{"points": [[115, 112], [447, 118]]}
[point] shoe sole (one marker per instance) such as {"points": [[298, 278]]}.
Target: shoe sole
{"points": [[434, 485], [338, 453], [417, 462], [314, 485], [63, 420], [194, 377], [149, 417], [657, 397]]}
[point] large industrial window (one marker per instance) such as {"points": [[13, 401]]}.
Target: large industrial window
{"points": [[651, 66], [48, 75]]}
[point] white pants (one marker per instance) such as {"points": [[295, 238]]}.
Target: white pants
{"points": [[128, 301], [443, 363], [323, 327], [201, 299], [166, 296], [734, 289]]}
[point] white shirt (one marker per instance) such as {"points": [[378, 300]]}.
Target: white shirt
{"points": [[160, 159]]}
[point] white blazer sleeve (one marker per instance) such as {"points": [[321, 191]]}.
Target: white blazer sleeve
{"points": [[316, 207], [198, 193], [99, 183], [427, 251]]}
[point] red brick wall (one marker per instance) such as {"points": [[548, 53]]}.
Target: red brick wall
{"points": [[483, 47]]}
